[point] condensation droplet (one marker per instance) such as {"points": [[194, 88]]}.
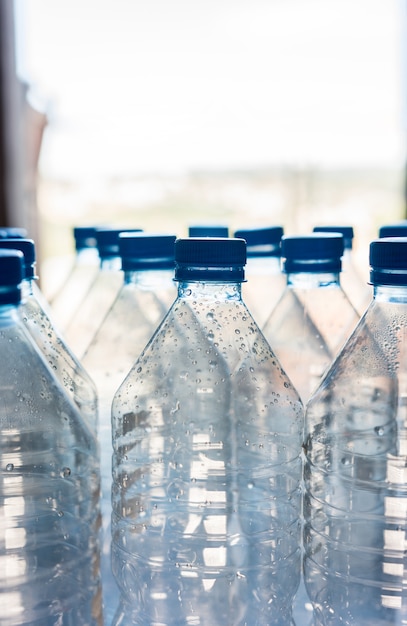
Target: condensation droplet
{"points": [[9, 467]]}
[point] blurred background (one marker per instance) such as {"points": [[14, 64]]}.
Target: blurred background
{"points": [[159, 114]]}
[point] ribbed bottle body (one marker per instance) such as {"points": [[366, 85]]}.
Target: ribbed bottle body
{"points": [[49, 478], [355, 480], [206, 472], [141, 304]]}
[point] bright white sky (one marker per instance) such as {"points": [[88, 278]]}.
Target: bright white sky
{"points": [[143, 85]]}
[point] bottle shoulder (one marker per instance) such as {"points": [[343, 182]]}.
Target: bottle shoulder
{"points": [[222, 342]]}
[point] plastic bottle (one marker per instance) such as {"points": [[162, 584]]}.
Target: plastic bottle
{"points": [[83, 272], [66, 367], [48, 472], [356, 459], [101, 293], [314, 316], [208, 230], [353, 283], [265, 280], [206, 464], [144, 299]]}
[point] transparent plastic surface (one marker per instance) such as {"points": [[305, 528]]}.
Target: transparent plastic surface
{"points": [[49, 570], [64, 364], [94, 306], [264, 286], [355, 475], [67, 300], [354, 284], [308, 326], [207, 434], [141, 304]]}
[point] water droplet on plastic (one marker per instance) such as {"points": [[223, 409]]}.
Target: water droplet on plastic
{"points": [[60, 513], [65, 472], [9, 467], [237, 331], [250, 484], [379, 430]]}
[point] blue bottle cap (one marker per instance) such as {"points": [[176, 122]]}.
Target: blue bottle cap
{"points": [[217, 259], [346, 231], [208, 230], [85, 237], [107, 240], [11, 276], [399, 229], [14, 232], [388, 261], [146, 251], [27, 247], [262, 241], [314, 253]]}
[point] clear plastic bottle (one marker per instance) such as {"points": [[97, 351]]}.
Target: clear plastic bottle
{"points": [[48, 471], [101, 293], [265, 280], [83, 272], [356, 459], [207, 433], [354, 284], [314, 316], [144, 299], [66, 367]]}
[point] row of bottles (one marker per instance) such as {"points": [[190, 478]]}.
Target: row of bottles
{"points": [[198, 403]]}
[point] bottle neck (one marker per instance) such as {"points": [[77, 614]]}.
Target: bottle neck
{"points": [[390, 293], [263, 265], [111, 263], [27, 288], [87, 256], [8, 315], [149, 279], [218, 292], [313, 280]]}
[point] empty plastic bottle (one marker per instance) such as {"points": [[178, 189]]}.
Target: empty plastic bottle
{"points": [[83, 272], [354, 284], [208, 230], [48, 483], [66, 367], [314, 316], [206, 464], [101, 293], [144, 299], [356, 459], [265, 280]]}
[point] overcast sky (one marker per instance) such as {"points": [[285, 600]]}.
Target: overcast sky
{"points": [[144, 85]]}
